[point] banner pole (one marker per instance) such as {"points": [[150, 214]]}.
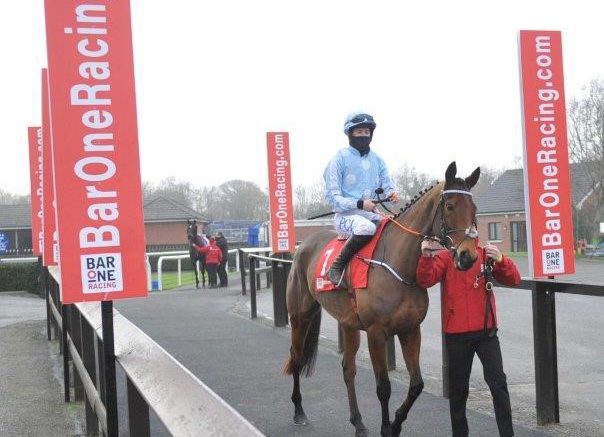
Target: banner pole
{"points": [[109, 361]]}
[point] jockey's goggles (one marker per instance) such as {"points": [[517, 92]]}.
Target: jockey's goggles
{"points": [[362, 118]]}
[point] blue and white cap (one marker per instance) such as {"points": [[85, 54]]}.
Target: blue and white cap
{"points": [[358, 119]]}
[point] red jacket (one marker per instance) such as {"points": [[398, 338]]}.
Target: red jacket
{"points": [[213, 252], [464, 305]]}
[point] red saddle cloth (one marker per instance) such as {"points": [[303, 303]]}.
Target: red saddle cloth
{"points": [[358, 268]]}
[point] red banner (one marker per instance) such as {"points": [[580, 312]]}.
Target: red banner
{"points": [[34, 135], [95, 145], [50, 254], [546, 167], [283, 237]]}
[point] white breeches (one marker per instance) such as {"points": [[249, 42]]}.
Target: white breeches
{"points": [[356, 221]]}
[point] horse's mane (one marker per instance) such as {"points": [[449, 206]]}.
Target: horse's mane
{"points": [[458, 183], [413, 201]]}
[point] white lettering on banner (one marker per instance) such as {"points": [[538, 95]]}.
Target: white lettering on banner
{"points": [[98, 165], [94, 237], [281, 195], [39, 190], [547, 157]]}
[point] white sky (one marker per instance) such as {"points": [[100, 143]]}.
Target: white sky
{"points": [[212, 77]]}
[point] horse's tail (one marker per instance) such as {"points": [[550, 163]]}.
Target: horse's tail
{"points": [[305, 364]]}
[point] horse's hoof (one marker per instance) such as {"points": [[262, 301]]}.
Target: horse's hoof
{"points": [[197, 286], [300, 419], [396, 431], [361, 433], [386, 431]]}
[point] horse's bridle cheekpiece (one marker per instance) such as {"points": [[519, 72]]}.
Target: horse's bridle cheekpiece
{"points": [[470, 232]]}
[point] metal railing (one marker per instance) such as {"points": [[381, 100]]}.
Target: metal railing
{"points": [[179, 256], [18, 260], [243, 260], [154, 379], [545, 340]]}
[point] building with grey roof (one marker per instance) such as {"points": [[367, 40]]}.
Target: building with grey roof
{"points": [[501, 213], [165, 226]]}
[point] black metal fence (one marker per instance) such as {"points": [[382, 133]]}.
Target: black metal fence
{"points": [[154, 379], [545, 341]]}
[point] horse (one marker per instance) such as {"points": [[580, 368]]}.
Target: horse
{"points": [[195, 256], [388, 306]]}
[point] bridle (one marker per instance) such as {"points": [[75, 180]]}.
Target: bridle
{"points": [[444, 237], [471, 232]]}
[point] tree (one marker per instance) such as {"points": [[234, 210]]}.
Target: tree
{"points": [[233, 200], [586, 146], [180, 191], [7, 198], [487, 177], [409, 182], [310, 200]]}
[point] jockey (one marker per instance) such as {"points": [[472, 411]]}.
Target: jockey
{"points": [[351, 178]]}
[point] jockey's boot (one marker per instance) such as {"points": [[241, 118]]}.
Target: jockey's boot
{"points": [[352, 246]]}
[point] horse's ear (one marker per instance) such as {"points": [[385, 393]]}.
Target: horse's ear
{"points": [[473, 178], [451, 172]]}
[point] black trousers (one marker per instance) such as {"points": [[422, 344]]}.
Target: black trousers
{"points": [[222, 274], [212, 268], [461, 349]]}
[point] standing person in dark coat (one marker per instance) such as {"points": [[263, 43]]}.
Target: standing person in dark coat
{"points": [[213, 260], [222, 243]]}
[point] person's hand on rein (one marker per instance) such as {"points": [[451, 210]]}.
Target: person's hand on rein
{"points": [[394, 197], [493, 252], [430, 246], [368, 205]]}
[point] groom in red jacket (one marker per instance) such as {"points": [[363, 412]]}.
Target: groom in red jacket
{"points": [[470, 327]]}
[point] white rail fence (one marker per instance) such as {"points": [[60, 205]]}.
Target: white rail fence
{"points": [[177, 255]]}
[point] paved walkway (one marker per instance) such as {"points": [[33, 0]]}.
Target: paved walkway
{"points": [[209, 331], [241, 359], [580, 346], [31, 388]]}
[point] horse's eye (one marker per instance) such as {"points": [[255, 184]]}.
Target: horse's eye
{"points": [[449, 207]]}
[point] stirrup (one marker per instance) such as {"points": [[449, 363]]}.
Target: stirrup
{"points": [[337, 285]]}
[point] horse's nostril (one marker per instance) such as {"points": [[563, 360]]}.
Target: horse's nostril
{"points": [[465, 260]]}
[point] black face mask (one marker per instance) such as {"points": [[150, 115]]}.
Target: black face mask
{"points": [[361, 144]]}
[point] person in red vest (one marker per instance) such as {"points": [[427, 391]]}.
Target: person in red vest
{"points": [[470, 326], [213, 260]]}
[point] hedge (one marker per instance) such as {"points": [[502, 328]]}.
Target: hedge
{"points": [[19, 277]]}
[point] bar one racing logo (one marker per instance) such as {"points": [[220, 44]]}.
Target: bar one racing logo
{"points": [[553, 261], [101, 273]]}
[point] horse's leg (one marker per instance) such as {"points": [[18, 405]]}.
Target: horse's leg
{"points": [[194, 262], [352, 339], [376, 337], [305, 321], [203, 269], [410, 344]]}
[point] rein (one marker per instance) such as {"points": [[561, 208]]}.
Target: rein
{"points": [[469, 232], [488, 289]]}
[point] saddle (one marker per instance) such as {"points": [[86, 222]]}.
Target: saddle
{"points": [[357, 269]]}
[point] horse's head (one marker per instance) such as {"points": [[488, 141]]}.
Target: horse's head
{"points": [[191, 230], [458, 223]]}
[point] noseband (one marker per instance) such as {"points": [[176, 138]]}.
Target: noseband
{"points": [[470, 232]]}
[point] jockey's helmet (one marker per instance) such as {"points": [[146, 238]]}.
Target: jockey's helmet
{"points": [[358, 119]]}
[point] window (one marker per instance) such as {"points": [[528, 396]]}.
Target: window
{"points": [[494, 231]]}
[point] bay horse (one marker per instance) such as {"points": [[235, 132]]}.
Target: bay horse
{"points": [[388, 306], [195, 238]]}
